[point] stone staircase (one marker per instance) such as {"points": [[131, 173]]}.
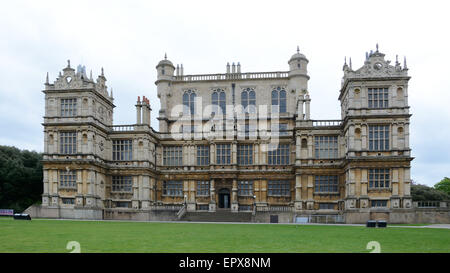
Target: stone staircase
{"points": [[218, 216]]}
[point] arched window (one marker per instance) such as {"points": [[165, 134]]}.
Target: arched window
{"points": [[279, 100], [218, 100], [248, 100], [189, 102]]}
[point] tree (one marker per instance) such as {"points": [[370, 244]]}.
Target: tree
{"points": [[20, 178], [426, 193], [443, 185]]}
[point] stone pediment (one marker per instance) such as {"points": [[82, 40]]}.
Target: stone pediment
{"points": [[375, 66], [69, 79]]}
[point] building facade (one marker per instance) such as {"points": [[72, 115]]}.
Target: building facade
{"points": [[239, 142]]}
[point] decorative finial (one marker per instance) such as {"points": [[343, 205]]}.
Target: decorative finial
{"points": [[46, 79], [111, 92], [90, 76], [367, 55], [350, 62], [404, 63], [68, 63], [298, 49], [345, 60], [165, 56], [102, 72], [377, 47]]}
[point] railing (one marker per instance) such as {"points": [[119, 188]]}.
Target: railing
{"points": [[233, 76], [323, 219], [427, 204], [275, 209], [167, 207], [122, 128], [319, 123], [181, 212]]}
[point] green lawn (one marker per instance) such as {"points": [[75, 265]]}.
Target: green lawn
{"points": [[41, 235]]}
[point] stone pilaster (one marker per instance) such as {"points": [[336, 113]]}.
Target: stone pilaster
{"points": [[234, 201]]}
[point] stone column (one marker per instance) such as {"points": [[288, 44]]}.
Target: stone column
{"points": [[234, 201], [307, 107]]}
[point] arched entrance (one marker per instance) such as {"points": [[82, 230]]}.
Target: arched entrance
{"points": [[224, 198]]}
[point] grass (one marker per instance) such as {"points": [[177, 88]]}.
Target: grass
{"points": [[41, 235]]}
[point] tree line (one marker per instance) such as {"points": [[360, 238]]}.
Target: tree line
{"points": [[21, 181]]}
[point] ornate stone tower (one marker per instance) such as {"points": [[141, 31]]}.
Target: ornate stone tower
{"points": [[375, 114], [165, 70], [78, 113]]}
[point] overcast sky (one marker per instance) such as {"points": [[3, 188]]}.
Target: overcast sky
{"points": [[128, 39]]}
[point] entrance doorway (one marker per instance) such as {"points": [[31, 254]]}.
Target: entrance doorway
{"points": [[224, 198]]}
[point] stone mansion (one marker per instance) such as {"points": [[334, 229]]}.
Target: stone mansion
{"points": [[242, 143]]}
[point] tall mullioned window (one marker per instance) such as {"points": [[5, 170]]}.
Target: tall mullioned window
{"points": [[378, 137], [279, 188], [68, 142], [378, 97], [68, 179], [278, 154], [218, 100], [245, 154], [173, 188], [245, 188], [326, 184], [122, 183], [122, 149], [202, 155], [189, 102], [202, 188], [279, 100], [326, 146], [379, 179], [68, 107], [223, 154], [248, 100], [172, 155]]}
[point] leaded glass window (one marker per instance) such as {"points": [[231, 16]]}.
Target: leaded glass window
{"points": [[378, 98], [279, 188], [172, 155], [68, 179], [278, 154], [68, 107], [173, 188], [326, 146], [379, 178], [245, 188], [223, 154], [122, 183], [122, 149], [326, 184], [378, 137], [68, 142], [245, 154]]}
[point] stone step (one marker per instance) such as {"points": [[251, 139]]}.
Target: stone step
{"points": [[218, 216]]}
